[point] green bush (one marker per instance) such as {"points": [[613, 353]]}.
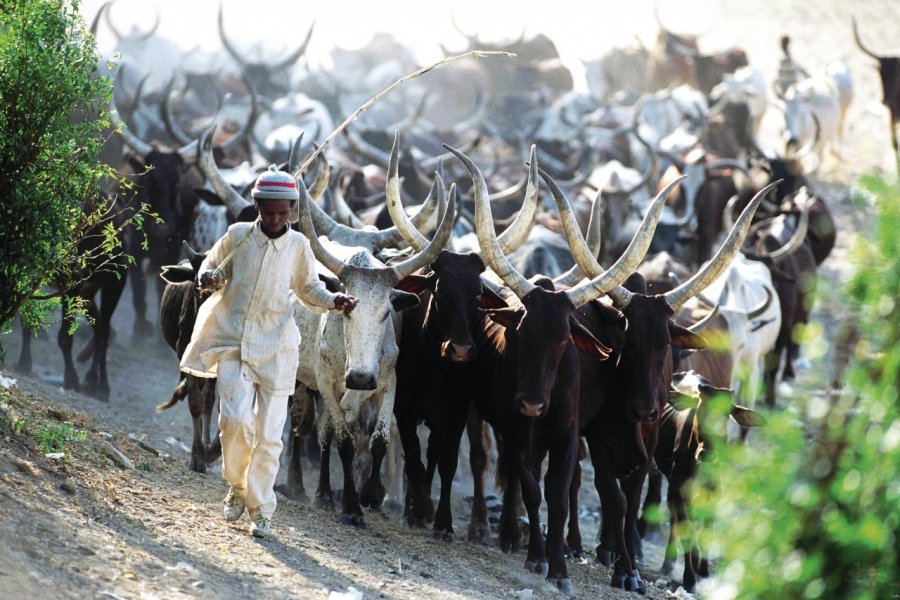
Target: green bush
{"points": [[813, 509], [52, 129]]}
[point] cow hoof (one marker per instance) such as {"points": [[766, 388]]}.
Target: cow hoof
{"points": [[355, 520], [292, 492], [197, 464], [445, 535], [414, 523], [575, 553], [565, 586], [325, 502], [604, 556], [634, 583], [510, 546], [540, 568], [372, 497], [478, 533], [617, 581]]}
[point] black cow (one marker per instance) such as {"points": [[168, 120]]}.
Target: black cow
{"points": [[630, 389], [684, 441], [889, 69], [104, 274], [528, 363], [180, 302]]}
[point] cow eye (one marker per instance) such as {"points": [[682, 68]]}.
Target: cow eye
{"points": [[477, 298]]}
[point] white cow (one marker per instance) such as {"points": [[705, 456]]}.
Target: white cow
{"points": [[748, 301], [815, 109], [352, 358]]}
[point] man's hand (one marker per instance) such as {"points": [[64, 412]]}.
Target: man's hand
{"points": [[345, 303], [208, 281]]}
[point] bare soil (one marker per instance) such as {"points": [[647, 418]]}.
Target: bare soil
{"points": [[83, 526]]}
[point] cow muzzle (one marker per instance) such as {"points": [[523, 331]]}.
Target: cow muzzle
{"points": [[359, 380], [457, 352], [530, 409]]}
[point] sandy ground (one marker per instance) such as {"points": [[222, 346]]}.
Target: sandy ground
{"points": [[87, 528]]}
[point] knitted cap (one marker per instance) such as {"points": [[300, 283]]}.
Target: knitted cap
{"points": [[275, 185]]}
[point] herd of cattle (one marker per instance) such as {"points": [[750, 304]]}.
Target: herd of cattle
{"points": [[472, 213]]}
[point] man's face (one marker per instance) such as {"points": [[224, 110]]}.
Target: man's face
{"points": [[274, 214]]}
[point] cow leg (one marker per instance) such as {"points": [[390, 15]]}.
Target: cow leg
{"points": [[417, 506], [96, 380], [214, 448], [142, 327], [536, 558], [324, 493], [351, 511], [24, 364], [770, 375], [649, 519], [560, 473], [682, 533], [574, 547], [448, 461], [196, 404], [373, 492], [479, 526], [612, 502], [510, 534], [303, 414], [65, 340]]}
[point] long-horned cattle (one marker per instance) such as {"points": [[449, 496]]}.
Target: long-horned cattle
{"points": [[354, 356], [889, 70], [632, 386], [530, 371]]}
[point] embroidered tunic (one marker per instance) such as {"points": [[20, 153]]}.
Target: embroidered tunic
{"points": [[253, 312]]}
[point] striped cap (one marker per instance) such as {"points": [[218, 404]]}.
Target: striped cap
{"points": [[275, 185]]}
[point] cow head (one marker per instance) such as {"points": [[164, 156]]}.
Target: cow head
{"points": [[369, 331], [458, 293]]}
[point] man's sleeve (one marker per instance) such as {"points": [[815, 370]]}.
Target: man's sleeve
{"points": [[307, 285]]}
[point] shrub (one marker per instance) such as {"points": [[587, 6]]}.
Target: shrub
{"points": [[52, 125], [813, 510]]}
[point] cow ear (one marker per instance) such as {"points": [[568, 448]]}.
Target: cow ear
{"points": [[586, 342], [490, 299], [208, 196], [177, 273], [401, 300], [746, 417], [332, 284], [685, 338], [507, 317], [416, 284]]}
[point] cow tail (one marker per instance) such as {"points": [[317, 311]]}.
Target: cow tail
{"points": [[178, 394]]}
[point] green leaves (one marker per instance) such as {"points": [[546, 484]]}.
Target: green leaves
{"points": [[813, 509], [52, 130]]}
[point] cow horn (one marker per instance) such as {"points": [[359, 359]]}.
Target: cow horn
{"points": [[593, 239], [207, 164], [331, 262], [96, 20], [294, 157], [165, 110], [138, 145], [758, 311], [484, 229], [802, 152], [226, 43], [609, 282], [342, 211], [188, 251], [430, 253], [395, 206], [797, 238], [141, 38], [859, 42], [516, 234], [706, 320], [730, 247], [295, 56], [238, 137]]}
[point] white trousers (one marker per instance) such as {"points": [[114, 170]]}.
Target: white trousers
{"points": [[250, 433]]}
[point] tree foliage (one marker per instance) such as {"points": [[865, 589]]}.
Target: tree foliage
{"points": [[813, 510], [54, 224]]}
